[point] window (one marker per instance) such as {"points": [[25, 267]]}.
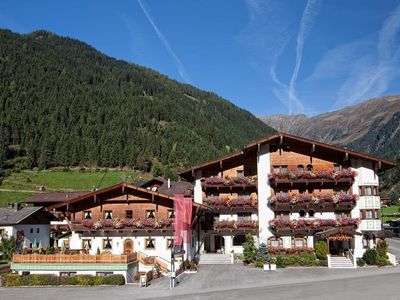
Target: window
{"points": [[309, 167], [128, 214], [276, 169], [275, 242], [244, 216], [104, 273], [150, 214], [336, 167], [150, 243], [171, 213], [311, 213], [283, 215], [300, 169], [170, 243], [370, 214], [365, 242], [67, 274], [238, 240], [302, 213], [369, 190], [240, 173], [2, 232], [87, 214], [37, 230], [107, 214], [31, 230], [284, 193], [299, 242], [86, 244], [342, 215], [284, 169], [107, 243]]}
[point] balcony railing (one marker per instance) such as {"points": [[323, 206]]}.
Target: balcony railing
{"points": [[313, 224], [120, 224], [227, 202], [216, 181], [240, 224], [345, 175], [74, 258], [311, 200]]}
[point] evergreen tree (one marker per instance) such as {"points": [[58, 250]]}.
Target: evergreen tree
{"points": [[249, 249]]}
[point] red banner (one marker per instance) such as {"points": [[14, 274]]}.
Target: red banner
{"points": [[183, 218]]}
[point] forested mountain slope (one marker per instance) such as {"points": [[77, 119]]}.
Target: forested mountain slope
{"points": [[63, 103]]}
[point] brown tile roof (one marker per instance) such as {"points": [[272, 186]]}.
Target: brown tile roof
{"points": [[53, 197]]}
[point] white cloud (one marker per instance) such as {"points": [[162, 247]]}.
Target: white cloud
{"points": [[181, 69], [371, 75], [307, 20]]}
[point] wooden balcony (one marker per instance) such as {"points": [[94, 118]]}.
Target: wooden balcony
{"points": [[232, 205], [229, 184], [326, 179], [316, 202], [35, 258]]}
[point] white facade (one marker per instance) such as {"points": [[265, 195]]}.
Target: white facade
{"points": [[33, 232]]}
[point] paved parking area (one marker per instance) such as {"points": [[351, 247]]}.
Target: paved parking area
{"points": [[394, 247], [238, 282]]}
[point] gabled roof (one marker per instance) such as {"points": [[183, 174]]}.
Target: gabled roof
{"points": [[288, 142], [52, 197], [12, 216], [98, 197]]}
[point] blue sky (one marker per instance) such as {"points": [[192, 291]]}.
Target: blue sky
{"points": [[265, 56]]}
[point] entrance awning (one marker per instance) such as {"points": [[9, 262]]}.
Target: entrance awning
{"points": [[337, 231]]}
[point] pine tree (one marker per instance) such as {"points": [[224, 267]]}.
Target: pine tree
{"points": [[249, 249]]}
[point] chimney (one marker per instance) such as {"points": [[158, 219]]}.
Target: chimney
{"points": [[169, 183]]}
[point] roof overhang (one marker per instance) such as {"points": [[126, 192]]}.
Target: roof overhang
{"points": [[106, 195], [287, 142]]}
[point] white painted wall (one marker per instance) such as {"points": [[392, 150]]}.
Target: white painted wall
{"points": [[198, 192], [42, 236], [265, 214]]}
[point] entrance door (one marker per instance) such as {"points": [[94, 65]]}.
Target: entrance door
{"points": [[128, 246]]}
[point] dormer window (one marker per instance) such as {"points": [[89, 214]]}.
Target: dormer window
{"points": [[276, 169], [150, 214], [87, 215], [107, 214], [300, 169]]}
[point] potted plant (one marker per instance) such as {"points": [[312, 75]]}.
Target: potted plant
{"points": [[272, 264]]}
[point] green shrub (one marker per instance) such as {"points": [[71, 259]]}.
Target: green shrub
{"points": [[84, 280], [40, 279], [249, 249], [11, 279], [381, 248], [370, 257], [321, 249], [280, 262], [260, 262], [116, 279], [361, 262], [68, 280]]}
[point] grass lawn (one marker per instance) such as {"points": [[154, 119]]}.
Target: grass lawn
{"points": [[24, 184], [386, 211], [8, 197]]}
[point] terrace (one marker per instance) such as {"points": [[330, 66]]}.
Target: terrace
{"points": [[74, 258]]}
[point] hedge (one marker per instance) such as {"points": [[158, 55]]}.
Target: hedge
{"points": [[46, 280], [305, 259]]}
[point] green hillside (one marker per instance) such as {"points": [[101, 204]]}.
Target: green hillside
{"points": [[63, 103]]}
